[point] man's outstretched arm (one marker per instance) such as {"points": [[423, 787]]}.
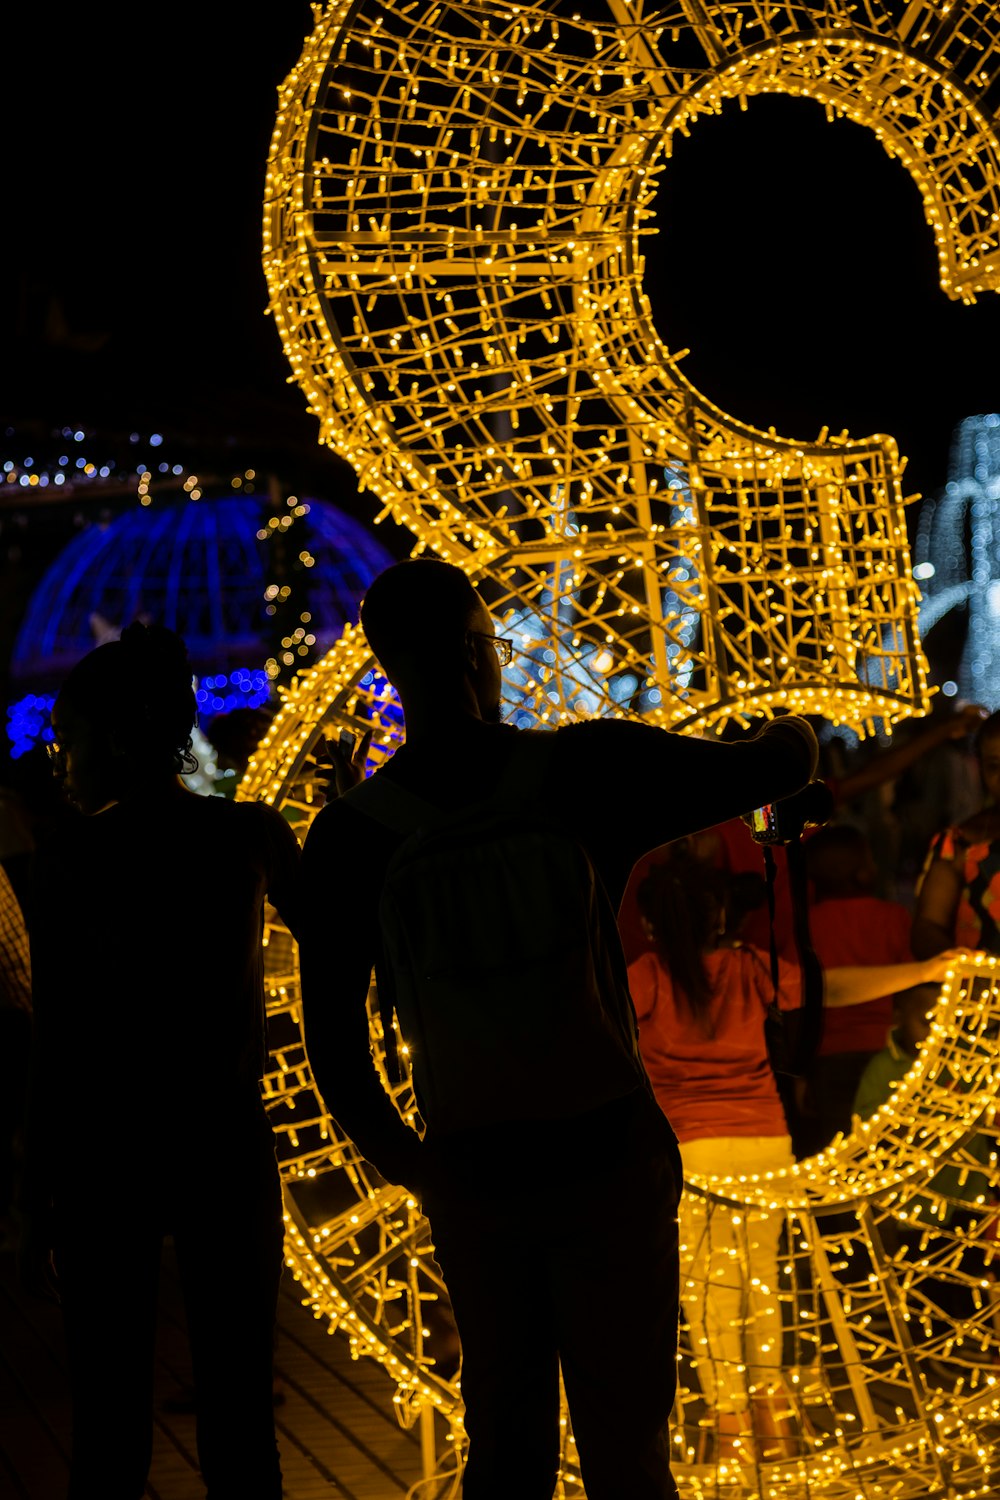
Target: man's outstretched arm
{"points": [[676, 784]]}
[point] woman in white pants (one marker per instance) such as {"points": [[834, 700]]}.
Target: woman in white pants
{"points": [[701, 1000]]}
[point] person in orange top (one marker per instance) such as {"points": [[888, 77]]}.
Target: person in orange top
{"points": [[701, 1001], [958, 898], [849, 926]]}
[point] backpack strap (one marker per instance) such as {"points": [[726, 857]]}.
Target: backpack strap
{"points": [[522, 777], [382, 798], [389, 803]]}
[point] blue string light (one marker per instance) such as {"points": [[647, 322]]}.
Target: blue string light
{"points": [[225, 691], [198, 568], [29, 720], [29, 723]]}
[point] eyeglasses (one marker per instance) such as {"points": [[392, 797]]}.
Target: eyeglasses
{"points": [[55, 752], [502, 644]]}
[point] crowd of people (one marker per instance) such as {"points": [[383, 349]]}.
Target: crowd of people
{"points": [[584, 993], [711, 961]]}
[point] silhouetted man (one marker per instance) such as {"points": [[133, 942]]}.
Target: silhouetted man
{"points": [[145, 1117], [555, 1227]]}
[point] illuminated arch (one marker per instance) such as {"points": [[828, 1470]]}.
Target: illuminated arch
{"points": [[363, 1257], [456, 204]]}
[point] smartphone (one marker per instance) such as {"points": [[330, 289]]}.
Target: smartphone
{"points": [[764, 822]]}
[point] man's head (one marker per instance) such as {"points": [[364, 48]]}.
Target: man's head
{"points": [[433, 636], [123, 717]]}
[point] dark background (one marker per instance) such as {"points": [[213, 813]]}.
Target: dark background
{"points": [[793, 260], [138, 294]]}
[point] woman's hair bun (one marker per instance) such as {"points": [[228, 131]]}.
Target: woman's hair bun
{"points": [[154, 645]]}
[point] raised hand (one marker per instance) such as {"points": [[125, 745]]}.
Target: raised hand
{"points": [[347, 756], [937, 967]]}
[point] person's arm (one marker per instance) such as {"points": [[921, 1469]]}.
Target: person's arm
{"points": [[341, 880], [891, 763], [284, 861], [853, 986], [933, 927], [665, 785], [716, 780]]}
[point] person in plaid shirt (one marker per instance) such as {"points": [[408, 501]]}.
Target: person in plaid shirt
{"points": [[15, 1040]]}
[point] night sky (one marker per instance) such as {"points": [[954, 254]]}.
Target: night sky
{"points": [[139, 295], [793, 258]]}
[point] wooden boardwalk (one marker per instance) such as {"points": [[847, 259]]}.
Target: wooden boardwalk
{"points": [[337, 1429]]}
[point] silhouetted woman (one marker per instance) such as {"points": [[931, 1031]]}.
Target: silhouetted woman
{"points": [[701, 999], [146, 1118]]}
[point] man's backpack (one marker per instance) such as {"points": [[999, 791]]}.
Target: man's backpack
{"points": [[500, 956]]}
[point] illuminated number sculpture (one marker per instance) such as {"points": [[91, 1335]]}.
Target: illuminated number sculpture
{"points": [[456, 205], [456, 202], [889, 1307]]}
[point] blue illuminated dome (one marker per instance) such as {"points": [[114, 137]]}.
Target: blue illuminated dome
{"points": [[199, 568]]}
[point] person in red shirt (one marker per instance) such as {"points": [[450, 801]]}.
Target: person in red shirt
{"points": [[849, 926], [959, 889], [701, 1000]]}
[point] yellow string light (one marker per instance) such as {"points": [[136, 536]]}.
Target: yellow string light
{"points": [[457, 205], [881, 1400], [457, 201]]}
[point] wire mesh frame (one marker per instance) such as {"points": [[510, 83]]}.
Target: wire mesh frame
{"points": [[885, 1278], [455, 208]]}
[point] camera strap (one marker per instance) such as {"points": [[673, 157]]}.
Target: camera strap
{"points": [[770, 875], [810, 1029]]}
